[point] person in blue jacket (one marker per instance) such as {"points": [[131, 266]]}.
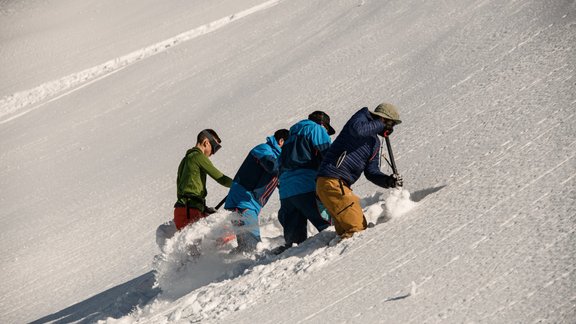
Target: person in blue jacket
{"points": [[299, 161], [251, 188], [355, 150]]}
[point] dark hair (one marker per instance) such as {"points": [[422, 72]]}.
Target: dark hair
{"points": [[281, 134], [202, 136]]}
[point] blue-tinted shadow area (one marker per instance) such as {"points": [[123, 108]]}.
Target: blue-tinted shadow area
{"points": [[115, 302], [421, 194]]}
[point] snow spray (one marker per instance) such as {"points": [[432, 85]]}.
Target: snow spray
{"points": [[178, 271], [398, 203]]}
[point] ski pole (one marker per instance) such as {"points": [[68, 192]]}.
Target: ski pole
{"points": [[221, 203]]}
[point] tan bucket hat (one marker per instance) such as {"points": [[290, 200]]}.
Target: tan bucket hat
{"points": [[387, 111]]}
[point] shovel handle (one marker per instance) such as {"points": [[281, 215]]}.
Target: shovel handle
{"points": [[392, 163]]}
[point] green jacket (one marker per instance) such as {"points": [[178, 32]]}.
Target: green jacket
{"points": [[191, 181]]}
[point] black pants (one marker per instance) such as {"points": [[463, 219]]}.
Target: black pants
{"points": [[294, 214]]}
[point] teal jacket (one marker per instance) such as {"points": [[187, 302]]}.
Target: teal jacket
{"points": [[301, 156], [256, 179]]}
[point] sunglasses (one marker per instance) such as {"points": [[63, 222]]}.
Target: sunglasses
{"points": [[215, 146]]}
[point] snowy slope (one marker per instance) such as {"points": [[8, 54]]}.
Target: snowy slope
{"points": [[44, 41], [486, 93]]}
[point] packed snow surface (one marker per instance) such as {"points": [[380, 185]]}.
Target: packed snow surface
{"points": [[99, 101]]}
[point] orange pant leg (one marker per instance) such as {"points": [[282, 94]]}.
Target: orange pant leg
{"points": [[181, 220], [344, 207]]}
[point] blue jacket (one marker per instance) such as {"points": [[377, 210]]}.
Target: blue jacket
{"points": [[301, 156], [359, 139], [256, 179]]}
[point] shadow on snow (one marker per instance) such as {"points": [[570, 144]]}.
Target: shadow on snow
{"points": [[124, 298], [115, 302], [419, 195]]}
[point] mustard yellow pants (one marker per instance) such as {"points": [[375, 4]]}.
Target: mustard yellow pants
{"points": [[343, 206]]}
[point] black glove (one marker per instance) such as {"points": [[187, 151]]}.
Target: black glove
{"points": [[398, 182], [209, 210]]}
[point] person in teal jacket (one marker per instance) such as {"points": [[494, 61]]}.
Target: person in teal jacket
{"points": [[191, 180], [301, 156], [254, 183]]}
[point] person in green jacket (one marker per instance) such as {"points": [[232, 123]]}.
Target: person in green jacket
{"points": [[191, 181]]}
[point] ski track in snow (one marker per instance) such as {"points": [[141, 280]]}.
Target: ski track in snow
{"points": [[16, 105]]}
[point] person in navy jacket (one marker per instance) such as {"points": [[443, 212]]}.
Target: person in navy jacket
{"points": [[299, 161], [355, 150], [251, 188]]}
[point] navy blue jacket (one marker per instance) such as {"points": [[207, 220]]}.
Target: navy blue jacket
{"points": [[256, 179], [359, 139], [301, 156]]}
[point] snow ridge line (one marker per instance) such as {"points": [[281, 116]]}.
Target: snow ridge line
{"points": [[12, 103]]}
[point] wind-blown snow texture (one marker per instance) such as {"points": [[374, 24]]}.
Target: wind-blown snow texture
{"points": [[487, 95]]}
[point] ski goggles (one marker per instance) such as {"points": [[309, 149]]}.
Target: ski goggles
{"points": [[213, 143]]}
